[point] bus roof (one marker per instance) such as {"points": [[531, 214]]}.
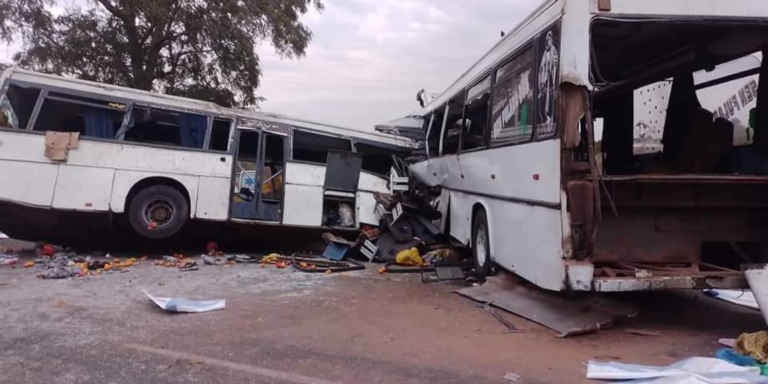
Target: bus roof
{"points": [[119, 93], [580, 14]]}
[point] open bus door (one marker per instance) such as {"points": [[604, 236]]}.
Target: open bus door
{"points": [[258, 176]]}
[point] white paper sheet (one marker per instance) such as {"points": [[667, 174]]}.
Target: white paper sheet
{"points": [[694, 370], [173, 304], [745, 297]]}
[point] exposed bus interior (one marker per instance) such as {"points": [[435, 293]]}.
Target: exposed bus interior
{"points": [[684, 180]]}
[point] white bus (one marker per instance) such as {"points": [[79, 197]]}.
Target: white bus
{"points": [[512, 144], [161, 161]]}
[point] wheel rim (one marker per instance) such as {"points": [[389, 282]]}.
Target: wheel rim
{"points": [[481, 245], [158, 210]]}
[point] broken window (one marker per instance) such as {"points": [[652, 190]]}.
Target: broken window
{"points": [[16, 106], [274, 163], [433, 140], [453, 126], [220, 133], [375, 159], [513, 107], [314, 148], [155, 126], [476, 117], [90, 117]]}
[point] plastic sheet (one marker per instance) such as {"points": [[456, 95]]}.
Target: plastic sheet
{"points": [[172, 304], [694, 370], [744, 298]]}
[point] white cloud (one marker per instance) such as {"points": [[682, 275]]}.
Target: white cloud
{"points": [[370, 57]]}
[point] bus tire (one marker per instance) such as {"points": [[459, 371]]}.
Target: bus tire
{"points": [[481, 246], [158, 212]]}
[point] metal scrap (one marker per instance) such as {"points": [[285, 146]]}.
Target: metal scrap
{"points": [[568, 315]]}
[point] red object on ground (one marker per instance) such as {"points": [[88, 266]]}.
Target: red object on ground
{"points": [[212, 247], [47, 250]]}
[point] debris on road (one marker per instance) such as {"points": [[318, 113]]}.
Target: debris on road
{"points": [[733, 357], [753, 344], [743, 298], [642, 332], [511, 376], [694, 370], [409, 257], [171, 304], [311, 264], [60, 267], [568, 315], [212, 260], [8, 259], [511, 328]]}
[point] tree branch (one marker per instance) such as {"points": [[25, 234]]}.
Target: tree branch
{"points": [[114, 10]]}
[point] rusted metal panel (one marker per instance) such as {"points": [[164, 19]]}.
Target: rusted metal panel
{"points": [[581, 207], [607, 284]]}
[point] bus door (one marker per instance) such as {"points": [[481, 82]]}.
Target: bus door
{"points": [[258, 177]]}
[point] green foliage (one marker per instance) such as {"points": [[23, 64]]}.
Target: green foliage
{"points": [[197, 48]]}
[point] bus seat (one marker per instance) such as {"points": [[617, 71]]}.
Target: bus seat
{"points": [[683, 104], [724, 139], [698, 133]]}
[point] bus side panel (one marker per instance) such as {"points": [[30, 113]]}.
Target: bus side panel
{"points": [[366, 209], [83, 188], [136, 157], [718, 8], [372, 183], [213, 198], [26, 175], [525, 239], [125, 180], [303, 205], [27, 183]]}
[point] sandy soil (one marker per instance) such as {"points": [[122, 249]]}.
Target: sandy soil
{"points": [[282, 326]]}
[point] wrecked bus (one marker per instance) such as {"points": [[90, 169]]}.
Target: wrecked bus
{"points": [[160, 161], [530, 184]]}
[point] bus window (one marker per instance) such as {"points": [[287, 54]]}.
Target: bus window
{"points": [[156, 126], [433, 141], [17, 106], [90, 117], [220, 132], [513, 100], [476, 116], [548, 81], [375, 159], [314, 148], [454, 124]]}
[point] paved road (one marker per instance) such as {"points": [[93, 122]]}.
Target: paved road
{"points": [[286, 327]]}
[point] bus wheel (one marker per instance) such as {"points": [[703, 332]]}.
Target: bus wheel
{"points": [[481, 246], [158, 212]]}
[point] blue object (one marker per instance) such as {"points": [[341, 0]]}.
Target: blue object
{"points": [[98, 123], [192, 130], [733, 357], [336, 251]]}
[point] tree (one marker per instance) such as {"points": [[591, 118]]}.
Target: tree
{"points": [[196, 48]]}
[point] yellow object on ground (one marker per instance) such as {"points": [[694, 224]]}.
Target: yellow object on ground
{"points": [[753, 344], [409, 257], [272, 258]]}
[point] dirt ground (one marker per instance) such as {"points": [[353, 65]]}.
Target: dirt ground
{"points": [[282, 326]]}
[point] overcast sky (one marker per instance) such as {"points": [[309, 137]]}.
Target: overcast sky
{"points": [[368, 58]]}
